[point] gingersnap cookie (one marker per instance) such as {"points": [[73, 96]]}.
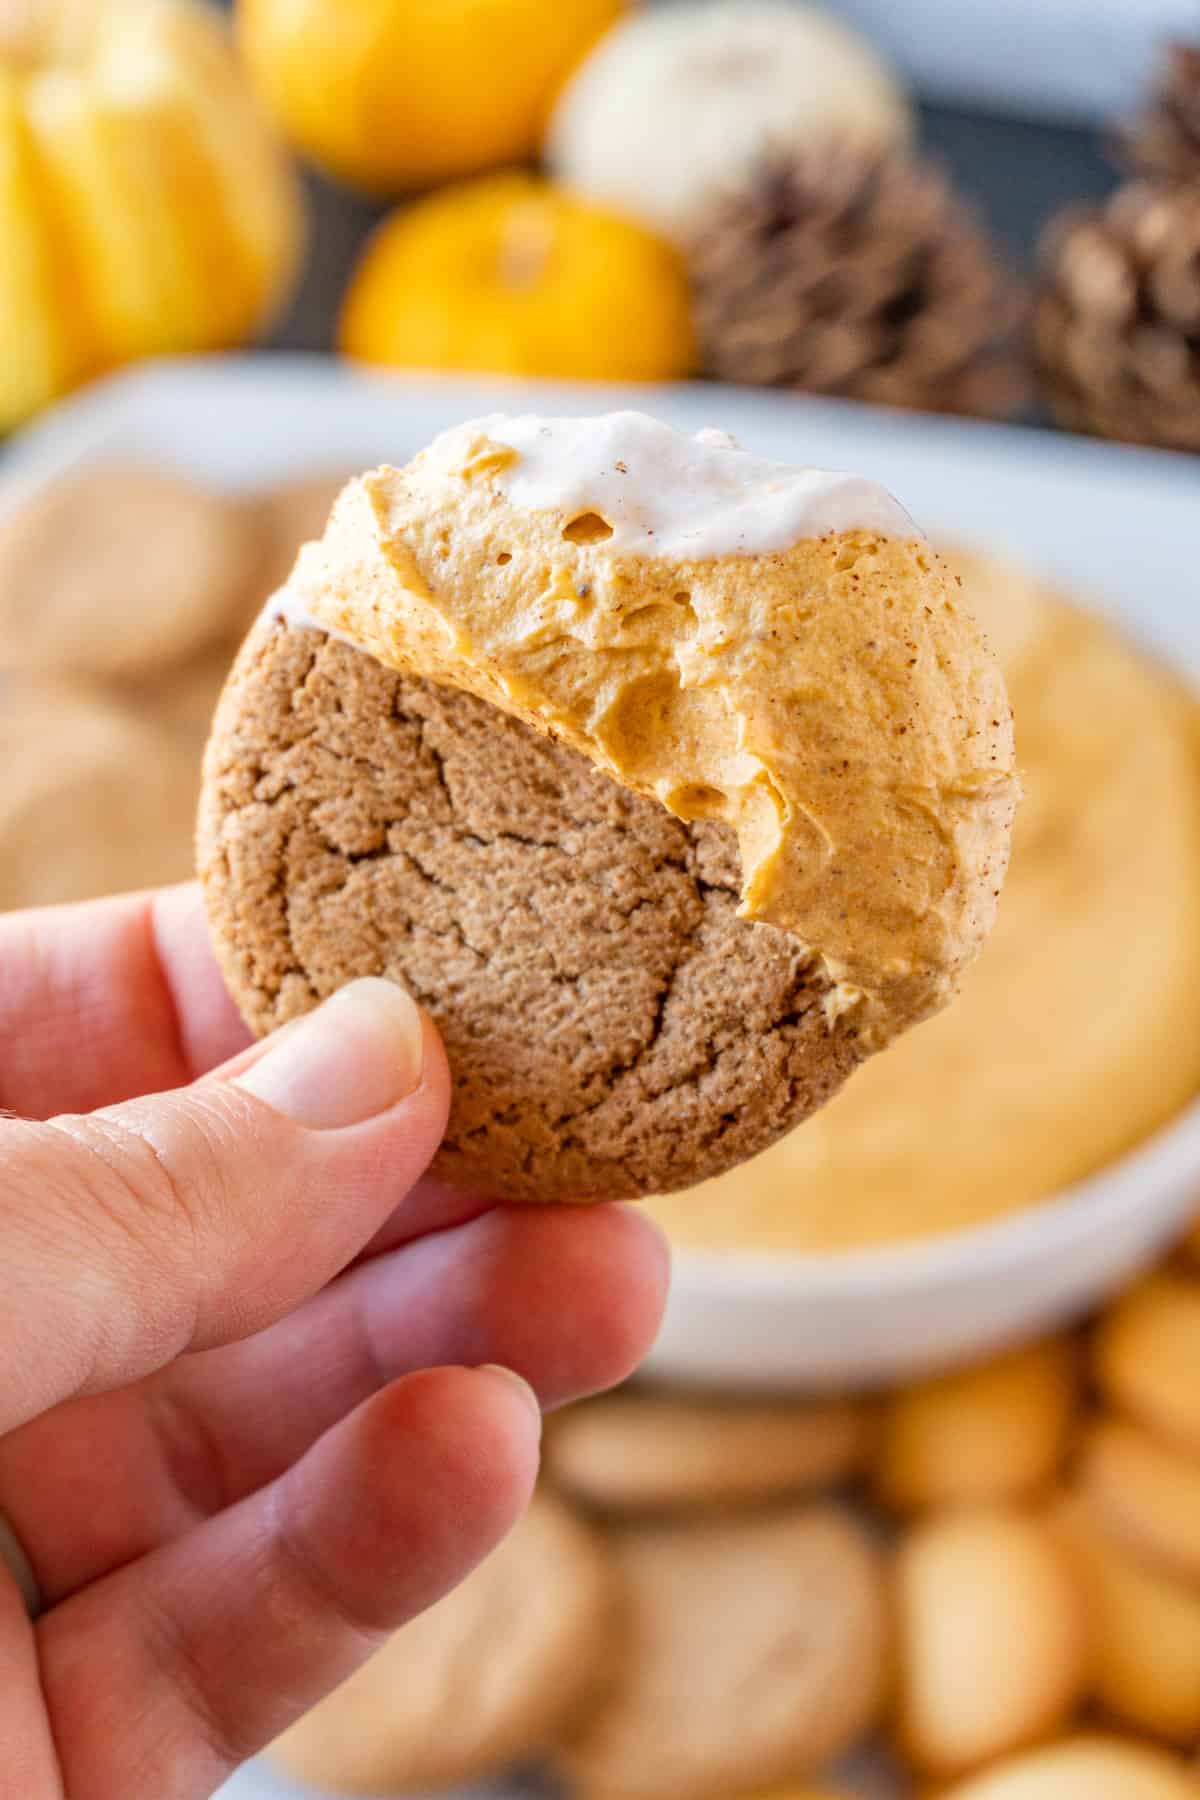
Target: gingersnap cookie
{"points": [[1084, 1768], [755, 1650], [641, 1451], [483, 1678], [93, 798], [120, 570], [181, 700], [291, 514], [992, 1638], [672, 782]]}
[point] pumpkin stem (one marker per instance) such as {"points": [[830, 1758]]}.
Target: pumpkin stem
{"points": [[525, 246]]}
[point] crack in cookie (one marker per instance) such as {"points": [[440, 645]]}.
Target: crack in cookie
{"points": [[614, 1028]]}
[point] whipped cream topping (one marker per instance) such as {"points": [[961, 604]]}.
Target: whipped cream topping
{"points": [[285, 607], [590, 578], [663, 494]]}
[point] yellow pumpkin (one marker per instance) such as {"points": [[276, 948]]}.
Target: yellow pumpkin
{"points": [[511, 274], [395, 94], [145, 205]]}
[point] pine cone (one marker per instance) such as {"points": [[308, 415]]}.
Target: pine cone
{"points": [[1117, 322], [1164, 142], [844, 272]]}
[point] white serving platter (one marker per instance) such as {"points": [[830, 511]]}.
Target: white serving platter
{"points": [[1121, 525]]}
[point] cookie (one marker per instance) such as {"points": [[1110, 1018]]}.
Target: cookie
{"points": [[120, 571], [182, 700], [992, 1639], [612, 1025], [667, 838], [1146, 1493], [481, 1679], [94, 799], [641, 1451], [1084, 1768], [1147, 1354], [289, 515], [1144, 1630], [755, 1650], [978, 1436]]}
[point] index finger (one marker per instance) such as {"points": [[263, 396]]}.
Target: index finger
{"points": [[110, 999]]}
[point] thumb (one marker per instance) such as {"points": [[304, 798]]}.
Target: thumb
{"points": [[188, 1219]]}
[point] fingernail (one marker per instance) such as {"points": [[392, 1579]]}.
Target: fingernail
{"points": [[518, 1381], [358, 1054]]}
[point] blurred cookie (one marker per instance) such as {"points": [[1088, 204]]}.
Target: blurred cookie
{"points": [[120, 571], [1144, 1631], [93, 798], [640, 1451], [183, 700], [1146, 1355], [755, 1651], [982, 1435], [1146, 1492], [1084, 1768], [291, 514], [992, 1639], [482, 1678]]}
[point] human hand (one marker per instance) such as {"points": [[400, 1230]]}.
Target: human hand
{"points": [[232, 1467]]}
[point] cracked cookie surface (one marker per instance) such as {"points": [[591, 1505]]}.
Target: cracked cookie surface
{"points": [[614, 1029]]}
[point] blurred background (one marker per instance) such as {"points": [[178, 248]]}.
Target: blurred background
{"points": [[908, 1503]]}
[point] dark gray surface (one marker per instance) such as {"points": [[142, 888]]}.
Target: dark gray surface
{"points": [[1017, 173]]}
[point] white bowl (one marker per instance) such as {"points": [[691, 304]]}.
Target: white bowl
{"points": [[863, 1317], [1121, 525]]}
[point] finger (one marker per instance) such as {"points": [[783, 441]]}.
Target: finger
{"points": [[197, 1217], [108, 1000], [432, 1206], [30, 1763], [226, 1636], [570, 1298]]}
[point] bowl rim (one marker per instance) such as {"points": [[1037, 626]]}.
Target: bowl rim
{"points": [[1042, 1228]]}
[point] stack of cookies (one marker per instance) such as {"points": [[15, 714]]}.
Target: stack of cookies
{"points": [[124, 592], [988, 1582], [730, 1613]]}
